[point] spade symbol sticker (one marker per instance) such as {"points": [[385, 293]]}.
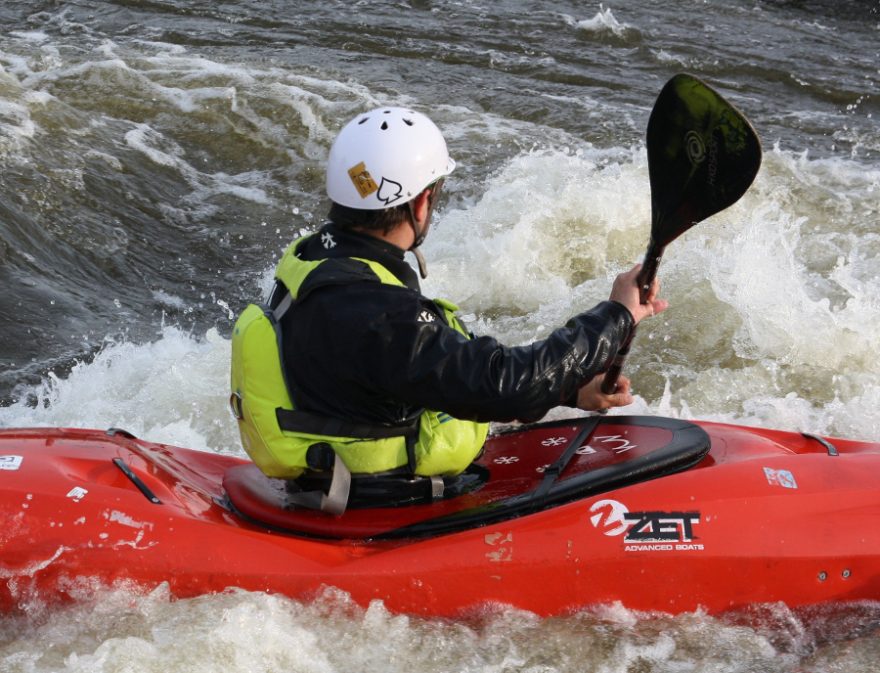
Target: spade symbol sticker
{"points": [[389, 191]]}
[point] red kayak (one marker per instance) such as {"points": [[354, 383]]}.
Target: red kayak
{"points": [[655, 513]]}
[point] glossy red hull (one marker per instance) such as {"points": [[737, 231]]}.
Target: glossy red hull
{"points": [[766, 516]]}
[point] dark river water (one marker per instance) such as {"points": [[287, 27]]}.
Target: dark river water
{"points": [[158, 155]]}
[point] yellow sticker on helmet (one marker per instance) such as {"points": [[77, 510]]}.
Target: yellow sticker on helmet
{"points": [[362, 180]]}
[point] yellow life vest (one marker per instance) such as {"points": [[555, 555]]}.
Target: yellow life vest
{"points": [[278, 437]]}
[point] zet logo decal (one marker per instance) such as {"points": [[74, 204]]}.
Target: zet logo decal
{"points": [[609, 517], [648, 530]]}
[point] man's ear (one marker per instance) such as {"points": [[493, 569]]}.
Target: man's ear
{"points": [[421, 205]]}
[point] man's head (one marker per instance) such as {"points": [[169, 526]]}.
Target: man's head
{"points": [[380, 166]]}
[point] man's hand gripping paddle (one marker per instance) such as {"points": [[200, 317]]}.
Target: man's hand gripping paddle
{"points": [[702, 156]]}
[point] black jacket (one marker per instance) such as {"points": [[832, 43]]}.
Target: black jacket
{"points": [[371, 352]]}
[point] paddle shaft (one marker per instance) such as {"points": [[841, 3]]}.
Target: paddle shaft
{"points": [[645, 280]]}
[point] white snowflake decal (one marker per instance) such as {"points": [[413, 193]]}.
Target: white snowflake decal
{"points": [[506, 460], [553, 441], [327, 240]]}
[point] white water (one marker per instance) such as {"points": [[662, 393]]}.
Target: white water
{"points": [[238, 631], [773, 321]]}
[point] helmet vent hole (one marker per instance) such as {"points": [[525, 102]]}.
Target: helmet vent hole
{"points": [[384, 126], [408, 122], [363, 121]]}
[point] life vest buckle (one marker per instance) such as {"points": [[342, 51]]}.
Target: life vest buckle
{"points": [[320, 456]]}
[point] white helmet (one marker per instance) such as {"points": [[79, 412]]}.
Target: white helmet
{"points": [[384, 158]]}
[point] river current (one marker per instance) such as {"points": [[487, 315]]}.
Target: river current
{"points": [[156, 156]]}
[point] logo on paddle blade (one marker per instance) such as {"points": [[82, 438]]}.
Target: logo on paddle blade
{"points": [[695, 147]]}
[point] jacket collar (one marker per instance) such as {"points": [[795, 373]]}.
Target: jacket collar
{"points": [[332, 241]]}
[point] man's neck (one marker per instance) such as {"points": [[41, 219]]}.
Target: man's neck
{"points": [[401, 236]]}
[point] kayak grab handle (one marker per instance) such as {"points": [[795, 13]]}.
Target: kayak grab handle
{"points": [[136, 480], [112, 432], [832, 450]]}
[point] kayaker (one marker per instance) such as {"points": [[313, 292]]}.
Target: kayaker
{"points": [[371, 375]]}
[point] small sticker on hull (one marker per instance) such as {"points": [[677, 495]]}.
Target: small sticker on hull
{"points": [[502, 544], [10, 462], [77, 493], [783, 478]]}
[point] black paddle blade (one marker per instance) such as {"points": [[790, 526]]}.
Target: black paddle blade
{"points": [[702, 156]]}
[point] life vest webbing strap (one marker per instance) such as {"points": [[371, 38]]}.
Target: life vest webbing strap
{"points": [[297, 420], [335, 500], [279, 311]]}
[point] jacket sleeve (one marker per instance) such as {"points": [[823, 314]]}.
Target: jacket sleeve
{"points": [[431, 365]]}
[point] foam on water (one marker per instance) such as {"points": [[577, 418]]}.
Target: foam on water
{"points": [[773, 319], [603, 21], [774, 302], [241, 631], [163, 151], [793, 289], [16, 128], [179, 82], [548, 228], [172, 390]]}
